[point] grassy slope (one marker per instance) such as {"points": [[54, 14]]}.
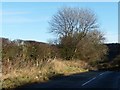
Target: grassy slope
{"points": [[20, 76]]}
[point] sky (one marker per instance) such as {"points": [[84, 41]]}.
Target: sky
{"points": [[29, 20], [60, 0]]}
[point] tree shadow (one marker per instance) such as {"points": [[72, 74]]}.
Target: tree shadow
{"points": [[62, 81], [115, 68]]}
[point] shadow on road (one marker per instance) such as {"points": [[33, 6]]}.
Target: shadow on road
{"points": [[67, 81], [62, 81]]}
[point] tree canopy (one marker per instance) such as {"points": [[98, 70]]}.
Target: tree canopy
{"points": [[79, 34]]}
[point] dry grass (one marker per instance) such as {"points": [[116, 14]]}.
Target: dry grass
{"points": [[29, 74]]}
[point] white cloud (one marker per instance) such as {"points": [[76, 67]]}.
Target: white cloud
{"points": [[0, 12], [112, 37], [12, 17], [20, 19], [13, 12], [16, 20]]}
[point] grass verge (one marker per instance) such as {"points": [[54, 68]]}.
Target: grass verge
{"points": [[30, 74]]}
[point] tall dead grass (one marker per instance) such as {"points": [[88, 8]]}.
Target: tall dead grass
{"points": [[15, 75]]}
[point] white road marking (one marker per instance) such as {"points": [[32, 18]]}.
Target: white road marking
{"points": [[88, 81], [102, 73], [91, 79]]}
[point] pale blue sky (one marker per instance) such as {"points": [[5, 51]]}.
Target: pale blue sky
{"points": [[29, 20]]}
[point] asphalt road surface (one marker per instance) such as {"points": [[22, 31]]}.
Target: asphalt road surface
{"points": [[106, 79]]}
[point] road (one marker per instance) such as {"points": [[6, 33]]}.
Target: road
{"points": [[106, 79]]}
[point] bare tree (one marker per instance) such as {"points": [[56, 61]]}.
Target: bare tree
{"points": [[79, 35], [69, 20]]}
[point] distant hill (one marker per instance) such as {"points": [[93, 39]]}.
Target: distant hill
{"points": [[114, 50]]}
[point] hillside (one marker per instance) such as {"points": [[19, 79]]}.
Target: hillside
{"points": [[114, 50]]}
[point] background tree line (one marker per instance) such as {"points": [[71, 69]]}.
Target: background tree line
{"points": [[22, 53]]}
